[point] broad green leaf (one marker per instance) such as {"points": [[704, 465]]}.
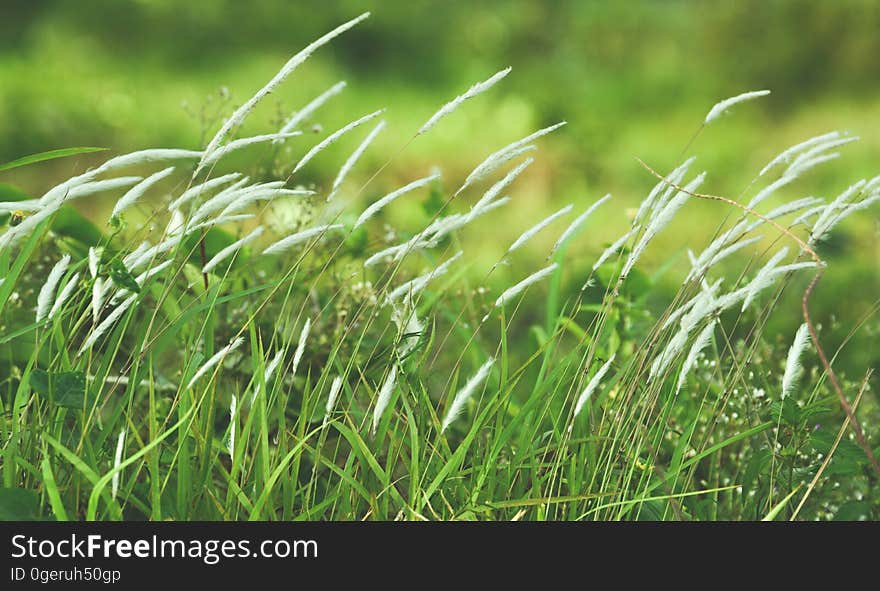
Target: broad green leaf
{"points": [[50, 155], [123, 277]]}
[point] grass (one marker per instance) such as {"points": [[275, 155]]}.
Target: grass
{"points": [[214, 429]]}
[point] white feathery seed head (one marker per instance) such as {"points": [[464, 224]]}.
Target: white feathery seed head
{"points": [[233, 411], [301, 346], [239, 115], [535, 277], [107, 323], [533, 231], [414, 286], [47, 291], [200, 189], [700, 343], [577, 223], [335, 388], [298, 237], [231, 249], [214, 360], [313, 105], [349, 164], [496, 159], [136, 192], [376, 206], [452, 105], [245, 142], [94, 259], [63, 295], [495, 190], [117, 460], [330, 139], [384, 397], [719, 108], [615, 246], [592, 385], [793, 368], [789, 153], [148, 156], [465, 393]]}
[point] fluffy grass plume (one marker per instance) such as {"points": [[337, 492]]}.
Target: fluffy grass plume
{"points": [[452, 105], [721, 107], [239, 115], [793, 367], [465, 393]]}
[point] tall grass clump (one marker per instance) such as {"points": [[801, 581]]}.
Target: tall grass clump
{"points": [[190, 360]]}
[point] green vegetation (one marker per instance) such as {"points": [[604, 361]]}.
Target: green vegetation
{"points": [[258, 333]]}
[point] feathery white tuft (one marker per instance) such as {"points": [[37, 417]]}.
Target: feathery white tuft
{"points": [[47, 291], [793, 368], [495, 190], [384, 398], [239, 115], [301, 346], [313, 105], [535, 277], [245, 142], [807, 165], [531, 232], [374, 208], [330, 139], [200, 189], [700, 343], [214, 360], [136, 192], [471, 92], [719, 108], [592, 385], [117, 460], [658, 221], [142, 157], [355, 156], [100, 186], [416, 285], [335, 387], [577, 223], [817, 151], [108, 322], [63, 296], [97, 298], [272, 366], [465, 393], [230, 443], [496, 159], [615, 246], [231, 249], [94, 259], [289, 241], [789, 153]]}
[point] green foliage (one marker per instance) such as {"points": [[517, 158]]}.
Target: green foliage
{"points": [[224, 405]]}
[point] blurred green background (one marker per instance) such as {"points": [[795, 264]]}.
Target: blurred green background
{"points": [[631, 78]]}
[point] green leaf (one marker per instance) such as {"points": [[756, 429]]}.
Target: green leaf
{"points": [[123, 277], [66, 389], [19, 504], [50, 155]]}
